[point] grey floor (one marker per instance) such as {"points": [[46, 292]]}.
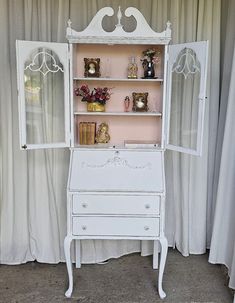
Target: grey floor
{"points": [[129, 279]]}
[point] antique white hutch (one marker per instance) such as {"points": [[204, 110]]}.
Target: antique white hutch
{"points": [[115, 191]]}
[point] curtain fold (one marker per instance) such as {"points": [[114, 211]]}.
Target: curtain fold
{"points": [[223, 239], [188, 177], [33, 183], [33, 197]]}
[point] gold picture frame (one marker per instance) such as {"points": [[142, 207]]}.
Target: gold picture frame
{"points": [[140, 102], [92, 67]]}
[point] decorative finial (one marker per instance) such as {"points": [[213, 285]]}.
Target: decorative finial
{"points": [[69, 23], [168, 24], [168, 29], [119, 16]]}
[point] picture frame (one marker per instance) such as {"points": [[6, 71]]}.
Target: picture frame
{"points": [[140, 102], [92, 67]]}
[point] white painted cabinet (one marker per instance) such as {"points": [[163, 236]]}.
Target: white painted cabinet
{"points": [[115, 191]]}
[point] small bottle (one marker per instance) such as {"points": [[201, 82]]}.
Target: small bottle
{"points": [[132, 69], [126, 104]]}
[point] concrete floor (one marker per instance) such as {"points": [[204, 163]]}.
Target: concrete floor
{"points": [[129, 279]]}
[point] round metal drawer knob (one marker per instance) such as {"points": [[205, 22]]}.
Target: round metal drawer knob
{"points": [[146, 228], [147, 206], [84, 227], [84, 205]]}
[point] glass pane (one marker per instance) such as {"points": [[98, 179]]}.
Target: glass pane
{"points": [[44, 98], [184, 100]]}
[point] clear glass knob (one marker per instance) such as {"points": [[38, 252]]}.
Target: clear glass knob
{"points": [[84, 227], [147, 206], [84, 205], [146, 228]]}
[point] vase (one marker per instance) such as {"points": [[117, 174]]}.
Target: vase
{"points": [[95, 107], [149, 71]]}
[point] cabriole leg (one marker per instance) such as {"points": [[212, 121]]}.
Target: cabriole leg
{"points": [[164, 247], [67, 245], [78, 253], [155, 254]]}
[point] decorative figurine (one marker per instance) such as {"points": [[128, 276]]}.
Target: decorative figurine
{"points": [[102, 135], [132, 69], [126, 104]]}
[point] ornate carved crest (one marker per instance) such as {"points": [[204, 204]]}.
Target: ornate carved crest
{"points": [[94, 33]]}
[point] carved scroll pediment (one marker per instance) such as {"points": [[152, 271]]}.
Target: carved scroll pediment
{"points": [[95, 33]]}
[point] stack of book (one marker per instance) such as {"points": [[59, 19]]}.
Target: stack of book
{"points": [[87, 132]]}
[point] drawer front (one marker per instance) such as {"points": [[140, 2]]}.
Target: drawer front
{"points": [[116, 204], [116, 170], [115, 226]]}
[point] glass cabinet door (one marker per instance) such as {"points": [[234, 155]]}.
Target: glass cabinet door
{"points": [[43, 90], [186, 88]]}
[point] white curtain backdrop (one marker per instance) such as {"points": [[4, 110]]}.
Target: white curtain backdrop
{"points": [[223, 236], [33, 183]]}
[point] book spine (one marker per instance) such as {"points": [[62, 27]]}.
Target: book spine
{"points": [[84, 133], [80, 133], [88, 133], [93, 130]]}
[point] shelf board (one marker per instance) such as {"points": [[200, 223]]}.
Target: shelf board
{"points": [[106, 146], [118, 79], [133, 114]]}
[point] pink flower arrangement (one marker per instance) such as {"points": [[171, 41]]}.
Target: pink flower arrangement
{"points": [[100, 95], [151, 55]]}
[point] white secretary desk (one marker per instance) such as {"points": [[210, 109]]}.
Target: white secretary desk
{"points": [[114, 191]]}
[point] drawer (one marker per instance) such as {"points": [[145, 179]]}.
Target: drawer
{"points": [[115, 226], [116, 170], [116, 204]]}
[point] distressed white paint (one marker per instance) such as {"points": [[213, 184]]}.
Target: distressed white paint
{"points": [[143, 34], [112, 170], [113, 193], [201, 51], [24, 49], [116, 194], [116, 204]]}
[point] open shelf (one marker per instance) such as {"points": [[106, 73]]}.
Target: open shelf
{"points": [[104, 146], [143, 114], [118, 79]]}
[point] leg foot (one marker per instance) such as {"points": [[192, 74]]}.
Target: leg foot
{"points": [[68, 293], [67, 244], [164, 248]]}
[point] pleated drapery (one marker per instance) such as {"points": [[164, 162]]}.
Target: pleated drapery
{"points": [[223, 236]]}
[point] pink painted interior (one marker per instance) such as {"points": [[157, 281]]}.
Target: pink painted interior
{"points": [[114, 59], [126, 128], [121, 128]]}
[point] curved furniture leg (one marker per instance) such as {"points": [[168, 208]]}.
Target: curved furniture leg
{"points": [[67, 244], [155, 254], [164, 248], [78, 253]]}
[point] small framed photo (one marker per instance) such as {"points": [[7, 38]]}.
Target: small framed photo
{"points": [[92, 67], [140, 102]]}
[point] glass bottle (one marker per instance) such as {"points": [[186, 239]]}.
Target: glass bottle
{"points": [[132, 69]]}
